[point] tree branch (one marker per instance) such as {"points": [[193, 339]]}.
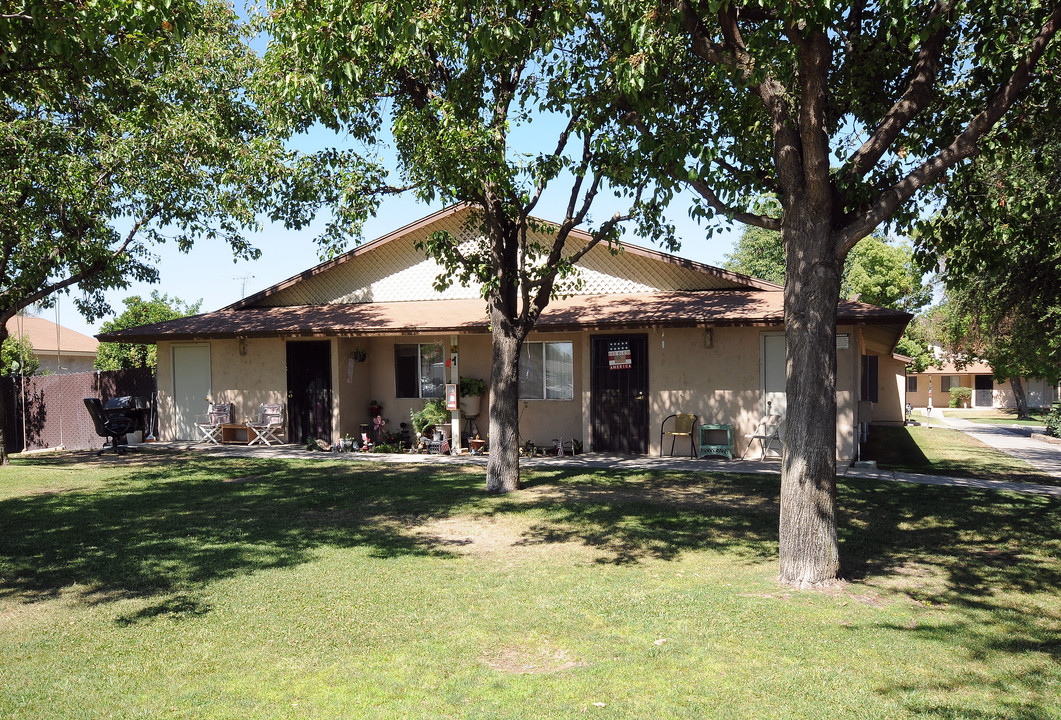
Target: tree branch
{"points": [[561, 143], [963, 146], [815, 59], [915, 98]]}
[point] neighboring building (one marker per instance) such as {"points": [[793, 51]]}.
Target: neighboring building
{"points": [[59, 349], [646, 335], [987, 392]]}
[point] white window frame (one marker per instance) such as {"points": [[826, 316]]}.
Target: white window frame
{"points": [[528, 351]]}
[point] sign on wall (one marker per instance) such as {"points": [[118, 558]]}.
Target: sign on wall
{"points": [[619, 355]]}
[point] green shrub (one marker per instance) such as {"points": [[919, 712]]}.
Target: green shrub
{"points": [[960, 397], [433, 413], [1053, 421]]}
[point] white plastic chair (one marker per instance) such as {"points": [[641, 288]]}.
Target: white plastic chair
{"points": [[768, 431]]}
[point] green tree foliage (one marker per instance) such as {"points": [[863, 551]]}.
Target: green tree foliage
{"points": [[124, 125], [138, 311], [17, 357], [884, 273], [915, 344], [1000, 239], [475, 96], [877, 271], [844, 112]]}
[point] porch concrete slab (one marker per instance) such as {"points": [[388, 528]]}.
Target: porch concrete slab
{"points": [[594, 460]]}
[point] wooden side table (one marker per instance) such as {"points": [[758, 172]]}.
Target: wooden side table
{"points": [[235, 434], [709, 448]]}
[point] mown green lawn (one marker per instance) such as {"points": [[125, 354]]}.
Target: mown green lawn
{"points": [[187, 586], [999, 416], [935, 450]]}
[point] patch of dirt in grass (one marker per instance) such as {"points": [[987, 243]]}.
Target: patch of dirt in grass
{"points": [[524, 661], [482, 536], [918, 582], [874, 600]]}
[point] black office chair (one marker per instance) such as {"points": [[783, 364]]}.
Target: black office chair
{"points": [[110, 427]]}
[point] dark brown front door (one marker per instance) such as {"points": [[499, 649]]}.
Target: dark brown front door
{"points": [[309, 390], [984, 386], [619, 393]]}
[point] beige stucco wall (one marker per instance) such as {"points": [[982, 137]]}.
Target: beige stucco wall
{"points": [[1039, 392], [68, 363], [248, 380], [720, 384]]}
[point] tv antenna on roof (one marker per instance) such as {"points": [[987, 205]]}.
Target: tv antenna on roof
{"points": [[243, 289]]}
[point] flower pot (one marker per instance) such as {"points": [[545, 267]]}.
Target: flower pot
{"points": [[470, 405]]}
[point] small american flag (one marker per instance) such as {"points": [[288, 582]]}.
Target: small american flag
{"points": [[444, 448]]}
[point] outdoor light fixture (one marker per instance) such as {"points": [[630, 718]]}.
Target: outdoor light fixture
{"points": [[242, 345], [709, 339]]}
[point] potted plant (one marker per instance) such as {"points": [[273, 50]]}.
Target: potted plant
{"points": [[359, 354], [471, 393], [433, 414], [375, 407]]}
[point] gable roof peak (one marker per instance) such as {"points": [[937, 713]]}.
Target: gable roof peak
{"points": [[675, 268]]}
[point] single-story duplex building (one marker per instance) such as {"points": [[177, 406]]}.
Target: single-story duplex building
{"points": [[59, 349], [644, 334], [979, 377]]}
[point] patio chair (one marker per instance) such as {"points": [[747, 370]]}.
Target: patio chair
{"points": [[267, 424], [209, 424], [683, 426], [766, 432], [111, 427]]}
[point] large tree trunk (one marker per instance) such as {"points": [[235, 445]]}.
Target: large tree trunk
{"points": [[1022, 399], [809, 552], [4, 460], [502, 469]]}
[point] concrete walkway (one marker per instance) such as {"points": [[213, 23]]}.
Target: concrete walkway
{"points": [[626, 462], [1014, 440]]}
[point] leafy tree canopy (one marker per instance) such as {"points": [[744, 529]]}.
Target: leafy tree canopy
{"points": [[17, 357], [473, 99], [999, 236], [124, 125], [877, 271], [138, 311]]}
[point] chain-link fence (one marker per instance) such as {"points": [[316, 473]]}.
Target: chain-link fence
{"points": [[49, 410]]}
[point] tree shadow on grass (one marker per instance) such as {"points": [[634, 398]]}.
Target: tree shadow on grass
{"points": [[165, 527], [990, 562], [162, 529], [632, 517]]}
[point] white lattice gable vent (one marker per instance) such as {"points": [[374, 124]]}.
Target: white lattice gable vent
{"points": [[395, 271]]}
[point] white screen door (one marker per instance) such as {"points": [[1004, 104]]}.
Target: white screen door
{"points": [[191, 387]]}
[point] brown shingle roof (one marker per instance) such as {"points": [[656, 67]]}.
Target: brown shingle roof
{"points": [[581, 312], [42, 335]]}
